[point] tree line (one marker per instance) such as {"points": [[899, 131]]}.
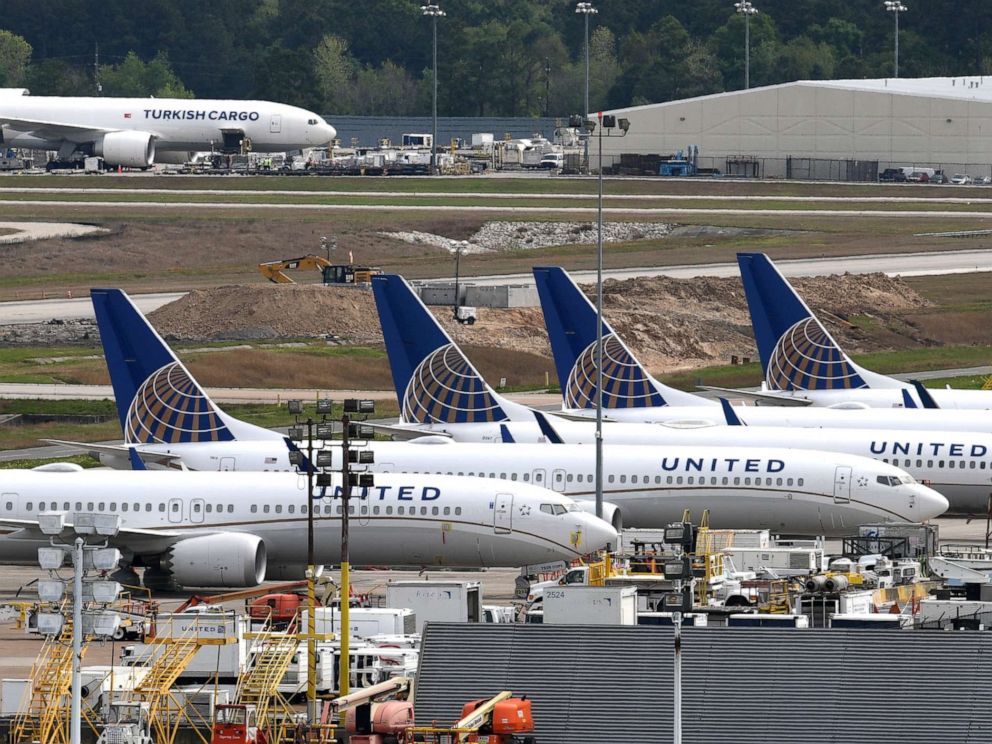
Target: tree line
{"points": [[495, 57]]}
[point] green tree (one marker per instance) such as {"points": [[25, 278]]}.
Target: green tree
{"points": [[134, 78], [15, 52], [335, 71], [54, 77]]}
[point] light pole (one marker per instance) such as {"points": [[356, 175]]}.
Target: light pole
{"points": [[746, 9], [586, 9], [895, 7], [434, 11], [607, 121]]}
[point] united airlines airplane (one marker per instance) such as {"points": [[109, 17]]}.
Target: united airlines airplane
{"points": [[139, 132], [167, 418], [239, 529], [802, 362], [629, 395]]}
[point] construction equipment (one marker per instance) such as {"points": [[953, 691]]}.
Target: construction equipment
{"points": [[502, 719], [369, 721], [331, 273]]}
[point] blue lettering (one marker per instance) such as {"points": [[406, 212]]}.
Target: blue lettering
{"points": [[212, 116], [201, 115], [382, 491], [936, 447], [665, 465], [232, 116], [956, 450], [405, 493], [243, 116], [430, 493], [178, 115], [979, 450], [877, 448], [338, 491], [692, 463], [900, 449], [731, 461], [751, 465], [148, 113], [253, 116], [776, 466]]}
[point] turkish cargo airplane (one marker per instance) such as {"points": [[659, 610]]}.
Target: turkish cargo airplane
{"points": [[803, 363], [571, 322], [239, 529], [139, 132], [168, 418]]}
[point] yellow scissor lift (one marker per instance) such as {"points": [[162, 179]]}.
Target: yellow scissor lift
{"points": [[44, 717]]}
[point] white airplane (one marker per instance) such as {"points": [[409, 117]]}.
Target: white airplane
{"points": [[239, 529], [802, 362], [170, 420], [571, 321], [139, 132]]}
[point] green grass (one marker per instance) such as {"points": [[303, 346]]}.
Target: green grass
{"points": [[84, 461], [919, 360], [968, 382]]}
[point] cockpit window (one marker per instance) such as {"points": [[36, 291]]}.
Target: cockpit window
{"points": [[312, 122], [889, 480], [556, 509]]}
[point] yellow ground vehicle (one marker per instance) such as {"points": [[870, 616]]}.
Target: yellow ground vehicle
{"points": [[274, 271]]}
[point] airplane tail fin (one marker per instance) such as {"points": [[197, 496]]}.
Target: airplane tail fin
{"points": [[158, 401], [435, 382], [797, 352], [571, 322]]}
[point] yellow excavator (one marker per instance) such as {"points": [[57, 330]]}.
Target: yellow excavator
{"points": [[274, 271]]}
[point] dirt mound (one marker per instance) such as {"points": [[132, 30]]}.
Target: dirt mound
{"points": [[669, 323]]}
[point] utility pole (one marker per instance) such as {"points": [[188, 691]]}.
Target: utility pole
{"points": [[434, 12], [746, 9], [895, 7], [586, 9]]}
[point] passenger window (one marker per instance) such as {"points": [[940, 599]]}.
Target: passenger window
{"points": [[175, 506], [633, 479], [278, 508], [623, 478], [265, 508], [230, 508], [434, 510], [79, 506], [389, 510], [196, 507], [447, 510], [513, 476], [10, 506], [254, 508], [65, 505], [778, 481], [458, 510], [161, 507], [799, 481], [102, 507], [612, 478], [291, 509], [29, 506], [401, 510], [527, 477], [668, 480]]}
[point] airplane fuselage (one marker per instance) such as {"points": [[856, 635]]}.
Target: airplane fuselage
{"points": [[790, 491]]}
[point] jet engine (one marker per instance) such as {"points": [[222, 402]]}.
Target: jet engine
{"points": [[611, 512], [228, 559], [133, 149]]}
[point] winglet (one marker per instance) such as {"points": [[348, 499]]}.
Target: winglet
{"points": [[907, 400], [434, 381], [925, 397], [547, 429], [730, 414]]}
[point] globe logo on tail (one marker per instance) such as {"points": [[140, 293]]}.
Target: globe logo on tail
{"points": [[806, 358], [170, 408], [625, 383], [444, 388]]}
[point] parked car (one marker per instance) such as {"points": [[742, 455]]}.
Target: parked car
{"points": [[918, 177], [938, 177], [962, 179], [896, 175]]}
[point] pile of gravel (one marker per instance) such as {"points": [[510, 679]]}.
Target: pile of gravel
{"points": [[508, 236]]}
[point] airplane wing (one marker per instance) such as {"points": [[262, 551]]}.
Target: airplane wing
{"points": [[402, 433], [129, 537], [760, 396], [54, 130], [123, 450]]}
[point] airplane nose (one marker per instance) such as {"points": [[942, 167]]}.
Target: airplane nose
{"points": [[330, 133], [929, 503], [597, 534]]}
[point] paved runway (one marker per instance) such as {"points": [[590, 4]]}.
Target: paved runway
{"points": [[902, 264]]}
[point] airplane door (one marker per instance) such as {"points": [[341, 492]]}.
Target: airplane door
{"points": [[275, 123], [227, 463], [503, 514], [842, 485], [558, 480], [196, 507], [538, 478], [175, 508]]}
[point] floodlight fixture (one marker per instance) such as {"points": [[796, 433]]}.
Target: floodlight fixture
{"points": [[51, 558], [325, 431], [361, 457], [325, 459], [325, 406], [295, 458], [49, 623], [101, 623], [356, 405], [295, 433], [324, 480], [678, 570], [50, 590], [103, 592], [360, 431], [295, 407], [361, 480], [677, 602], [624, 125], [104, 559], [51, 523]]}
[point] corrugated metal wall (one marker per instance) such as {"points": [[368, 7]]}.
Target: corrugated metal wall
{"points": [[601, 684]]}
